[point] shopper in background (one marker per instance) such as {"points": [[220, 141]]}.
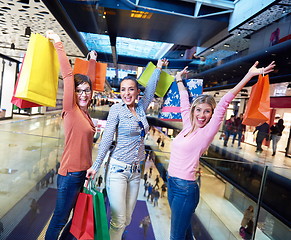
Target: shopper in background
{"points": [[79, 131], [201, 122], [276, 133], [263, 133], [127, 120], [239, 129], [228, 129]]}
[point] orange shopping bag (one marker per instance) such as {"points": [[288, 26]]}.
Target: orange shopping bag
{"points": [[96, 74], [258, 106]]}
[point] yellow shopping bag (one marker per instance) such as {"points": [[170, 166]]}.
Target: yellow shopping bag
{"points": [[163, 84], [38, 81]]}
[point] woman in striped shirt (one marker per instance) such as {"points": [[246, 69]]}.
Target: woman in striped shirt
{"points": [[127, 120]]}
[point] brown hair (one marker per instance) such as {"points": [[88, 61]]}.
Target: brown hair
{"points": [[80, 79]]}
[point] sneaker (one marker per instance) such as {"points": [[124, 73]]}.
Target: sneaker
{"points": [[239, 147], [231, 145]]}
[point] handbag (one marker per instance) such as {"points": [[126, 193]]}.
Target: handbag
{"points": [[38, 81], [100, 218], [170, 110], [164, 82], [18, 101], [83, 219], [96, 73], [258, 107]]}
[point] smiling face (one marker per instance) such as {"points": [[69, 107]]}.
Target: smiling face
{"points": [[83, 95], [202, 113], [129, 92]]}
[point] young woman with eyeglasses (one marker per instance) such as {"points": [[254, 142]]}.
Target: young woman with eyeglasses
{"points": [[201, 122], [79, 131], [127, 120]]}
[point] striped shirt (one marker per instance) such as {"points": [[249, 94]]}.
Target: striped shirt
{"points": [[120, 121]]}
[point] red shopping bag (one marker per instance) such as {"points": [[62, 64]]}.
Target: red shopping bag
{"points": [[96, 74], [83, 219], [258, 106], [18, 101]]}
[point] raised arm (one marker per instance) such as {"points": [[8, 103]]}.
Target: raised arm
{"points": [[184, 96], [66, 70], [253, 71], [152, 84], [91, 73]]}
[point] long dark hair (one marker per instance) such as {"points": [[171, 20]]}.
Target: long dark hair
{"points": [[280, 122], [130, 78]]}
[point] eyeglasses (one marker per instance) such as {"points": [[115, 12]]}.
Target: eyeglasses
{"points": [[142, 132], [81, 91]]}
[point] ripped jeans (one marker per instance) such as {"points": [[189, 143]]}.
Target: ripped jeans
{"points": [[122, 185]]}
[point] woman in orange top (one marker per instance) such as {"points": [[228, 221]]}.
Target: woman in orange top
{"points": [[79, 131]]}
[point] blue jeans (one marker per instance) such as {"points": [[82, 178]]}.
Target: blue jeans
{"points": [[68, 189], [183, 197], [239, 138]]}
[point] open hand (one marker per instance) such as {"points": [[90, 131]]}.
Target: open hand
{"points": [[180, 74], [254, 71], [162, 62]]}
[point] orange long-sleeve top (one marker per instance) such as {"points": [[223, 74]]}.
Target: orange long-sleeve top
{"points": [[78, 126]]}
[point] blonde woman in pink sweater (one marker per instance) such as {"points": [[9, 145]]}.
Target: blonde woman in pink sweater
{"points": [[201, 122]]}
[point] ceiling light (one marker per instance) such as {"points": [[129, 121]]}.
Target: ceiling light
{"points": [[27, 31], [251, 23], [226, 45], [182, 54], [238, 33], [212, 49]]}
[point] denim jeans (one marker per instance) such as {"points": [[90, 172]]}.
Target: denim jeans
{"points": [[239, 138], [68, 189], [122, 185], [183, 197]]}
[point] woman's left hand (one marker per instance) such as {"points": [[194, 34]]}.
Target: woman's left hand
{"points": [[93, 55], [254, 71], [162, 62]]}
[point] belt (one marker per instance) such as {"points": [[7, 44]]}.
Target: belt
{"points": [[134, 166]]}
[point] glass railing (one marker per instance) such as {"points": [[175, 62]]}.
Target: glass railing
{"points": [[32, 146]]}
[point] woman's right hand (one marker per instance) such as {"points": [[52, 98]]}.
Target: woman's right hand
{"points": [[180, 74], [50, 34]]}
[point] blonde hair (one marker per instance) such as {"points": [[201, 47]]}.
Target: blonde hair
{"points": [[203, 98]]}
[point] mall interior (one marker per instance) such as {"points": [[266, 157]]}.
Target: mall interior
{"points": [[219, 40]]}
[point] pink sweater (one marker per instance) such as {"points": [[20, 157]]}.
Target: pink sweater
{"points": [[186, 151]]}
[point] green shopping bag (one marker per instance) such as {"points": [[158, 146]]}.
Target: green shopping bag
{"points": [[100, 219], [163, 84]]}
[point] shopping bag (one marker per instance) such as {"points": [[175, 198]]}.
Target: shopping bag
{"points": [[18, 101], [38, 81], [170, 110], [96, 74], [258, 107], [83, 219], [101, 223], [164, 82]]}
